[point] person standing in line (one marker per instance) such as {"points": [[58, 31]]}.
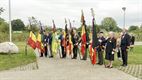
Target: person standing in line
{"points": [[75, 45], [100, 48], [110, 49], [45, 43], [132, 42], [61, 38], [50, 44], [125, 43], [118, 49]]}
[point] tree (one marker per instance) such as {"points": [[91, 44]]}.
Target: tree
{"points": [[1, 10], [109, 24], [3, 26], [33, 24], [133, 28], [141, 27], [17, 25]]}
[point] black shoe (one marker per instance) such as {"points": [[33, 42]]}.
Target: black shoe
{"points": [[83, 59], [50, 56], [98, 63], [41, 56], [63, 57], [101, 64], [125, 65], [74, 58]]}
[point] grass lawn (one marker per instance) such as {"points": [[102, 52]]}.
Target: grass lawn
{"points": [[14, 60], [134, 57]]}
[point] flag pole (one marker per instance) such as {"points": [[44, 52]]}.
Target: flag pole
{"points": [[94, 35], [10, 27]]}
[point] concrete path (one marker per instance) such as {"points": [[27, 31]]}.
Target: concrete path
{"points": [[66, 69], [138, 43]]}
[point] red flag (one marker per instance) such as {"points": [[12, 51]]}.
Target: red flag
{"points": [[32, 40], [93, 54], [93, 46], [83, 35], [39, 44]]}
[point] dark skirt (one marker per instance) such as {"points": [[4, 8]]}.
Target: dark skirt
{"points": [[109, 56]]}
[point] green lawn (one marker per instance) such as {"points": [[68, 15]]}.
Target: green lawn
{"points": [[134, 57], [14, 60]]}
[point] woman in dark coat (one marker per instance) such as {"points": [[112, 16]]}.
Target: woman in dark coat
{"points": [[110, 49]]}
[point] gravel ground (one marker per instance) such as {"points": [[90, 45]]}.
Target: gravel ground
{"points": [[66, 69]]}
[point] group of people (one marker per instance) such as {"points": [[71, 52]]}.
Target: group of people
{"points": [[72, 41]]}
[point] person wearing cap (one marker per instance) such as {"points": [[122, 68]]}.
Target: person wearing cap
{"points": [[100, 48]]}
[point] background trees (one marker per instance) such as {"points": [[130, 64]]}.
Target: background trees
{"points": [[133, 28], [17, 25], [109, 24]]}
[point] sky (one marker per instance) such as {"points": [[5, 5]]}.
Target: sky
{"points": [[46, 10]]}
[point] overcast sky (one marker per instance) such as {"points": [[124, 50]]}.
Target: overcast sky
{"points": [[46, 10]]}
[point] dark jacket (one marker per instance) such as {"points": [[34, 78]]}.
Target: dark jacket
{"points": [[75, 39], [125, 41], [49, 39], [132, 40], [110, 45], [100, 45]]}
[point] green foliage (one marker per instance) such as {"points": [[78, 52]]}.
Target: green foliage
{"points": [[3, 26], [32, 27], [109, 24], [1, 10], [17, 25], [141, 27], [133, 28]]}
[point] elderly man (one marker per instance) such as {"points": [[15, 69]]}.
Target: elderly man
{"points": [[100, 47], [125, 43]]}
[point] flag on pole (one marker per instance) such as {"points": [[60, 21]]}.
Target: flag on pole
{"points": [[70, 38], [39, 43], [32, 40], [65, 36], [54, 39], [83, 35], [93, 46], [54, 26]]}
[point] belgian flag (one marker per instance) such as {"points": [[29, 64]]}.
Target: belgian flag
{"points": [[39, 43], [83, 35], [32, 40], [93, 46]]}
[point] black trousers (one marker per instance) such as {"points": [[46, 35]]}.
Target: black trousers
{"points": [[75, 48], [119, 53], [50, 49], [85, 55], [63, 52], [45, 48], [41, 54], [100, 57], [124, 56]]}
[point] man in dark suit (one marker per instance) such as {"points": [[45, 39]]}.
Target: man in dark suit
{"points": [[61, 38], [50, 44], [125, 43], [45, 43], [100, 48], [75, 44]]}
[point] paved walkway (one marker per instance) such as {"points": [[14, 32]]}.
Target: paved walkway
{"points": [[138, 43], [66, 69]]}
